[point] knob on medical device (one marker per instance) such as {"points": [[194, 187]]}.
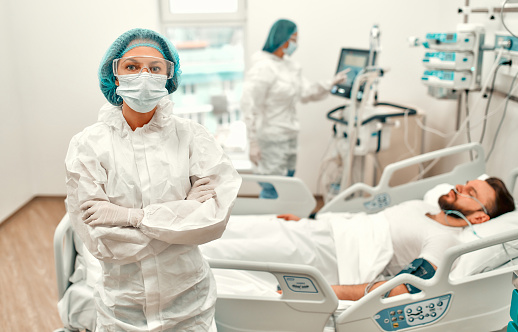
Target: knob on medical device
{"points": [[413, 41]]}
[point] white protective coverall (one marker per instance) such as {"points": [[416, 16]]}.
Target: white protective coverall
{"points": [[271, 90], [154, 277]]}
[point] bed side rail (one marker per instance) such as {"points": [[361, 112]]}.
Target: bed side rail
{"points": [[453, 253], [294, 197], [64, 254], [306, 303], [383, 195], [511, 180], [491, 291]]}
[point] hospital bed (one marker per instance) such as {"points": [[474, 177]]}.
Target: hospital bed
{"points": [[293, 197], [478, 302]]}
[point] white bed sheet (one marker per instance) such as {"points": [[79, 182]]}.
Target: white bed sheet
{"points": [[310, 242]]}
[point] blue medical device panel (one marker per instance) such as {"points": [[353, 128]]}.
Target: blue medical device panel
{"points": [[444, 38], [443, 56], [355, 60], [514, 306], [300, 284], [413, 314], [443, 75]]}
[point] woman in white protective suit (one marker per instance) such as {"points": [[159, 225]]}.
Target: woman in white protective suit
{"points": [[273, 85], [145, 188]]}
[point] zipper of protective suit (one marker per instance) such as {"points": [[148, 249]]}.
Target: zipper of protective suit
{"points": [[148, 265]]}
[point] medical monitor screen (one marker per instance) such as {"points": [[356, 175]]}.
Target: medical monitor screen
{"points": [[355, 60]]}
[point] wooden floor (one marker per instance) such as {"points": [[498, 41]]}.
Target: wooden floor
{"points": [[28, 291]]}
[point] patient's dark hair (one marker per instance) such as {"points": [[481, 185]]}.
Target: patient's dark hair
{"points": [[503, 203]]}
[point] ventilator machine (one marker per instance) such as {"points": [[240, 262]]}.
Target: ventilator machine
{"points": [[354, 139]]}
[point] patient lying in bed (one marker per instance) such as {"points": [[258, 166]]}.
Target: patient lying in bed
{"points": [[351, 250]]}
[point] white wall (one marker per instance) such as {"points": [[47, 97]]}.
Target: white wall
{"points": [[51, 90], [15, 159], [59, 50], [53, 94]]}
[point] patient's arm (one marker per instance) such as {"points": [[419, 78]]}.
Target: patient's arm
{"points": [[419, 267], [288, 217], [356, 292]]}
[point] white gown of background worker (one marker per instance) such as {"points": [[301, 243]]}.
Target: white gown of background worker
{"points": [[273, 86]]}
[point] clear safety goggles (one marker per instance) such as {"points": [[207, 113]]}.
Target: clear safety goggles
{"points": [[136, 64]]}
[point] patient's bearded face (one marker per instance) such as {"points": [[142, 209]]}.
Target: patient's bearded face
{"points": [[450, 202], [466, 198]]}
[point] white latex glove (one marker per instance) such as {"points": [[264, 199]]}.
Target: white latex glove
{"points": [[201, 190], [102, 213], [255, 152], [340, 77]]}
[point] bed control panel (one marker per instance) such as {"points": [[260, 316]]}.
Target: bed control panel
{"points": [[379, 202], [300, 284], [413, 314]]}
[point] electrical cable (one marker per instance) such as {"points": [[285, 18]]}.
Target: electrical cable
{"points": [[410, 149], [461, 127], [432, 130], [503, 117], [326, 160], [488, 103], [405, 136], [502, 18], [468, 130], [427, 169], [459, 214]]}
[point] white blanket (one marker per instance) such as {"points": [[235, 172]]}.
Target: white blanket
{"points": [[346, 248], [264, 238], [363, 245]]}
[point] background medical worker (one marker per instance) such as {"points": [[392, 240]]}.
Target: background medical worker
{"points": [[273, 85], [144, 189]]}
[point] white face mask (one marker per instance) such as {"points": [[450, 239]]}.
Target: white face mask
{"points": [[143, 91], [292, 46]]}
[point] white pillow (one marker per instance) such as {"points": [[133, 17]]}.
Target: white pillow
{"points": [[432, 196], [492, 257]]}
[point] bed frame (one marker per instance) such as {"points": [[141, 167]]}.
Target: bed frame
{"points": [[476, 303]]}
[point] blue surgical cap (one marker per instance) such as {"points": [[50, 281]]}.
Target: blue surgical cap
{"points": [[127, 41], [280, 32]]}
